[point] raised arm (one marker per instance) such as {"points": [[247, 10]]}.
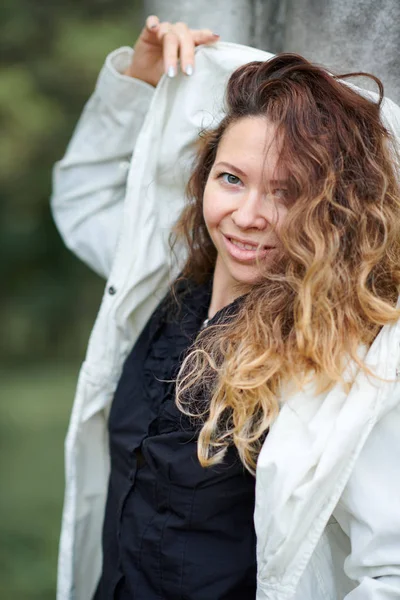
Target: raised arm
{"points": [[89, 182]]}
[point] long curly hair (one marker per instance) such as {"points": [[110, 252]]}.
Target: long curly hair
{"points": [[337, 282]]}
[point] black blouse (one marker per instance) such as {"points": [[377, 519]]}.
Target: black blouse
{"points": [[172, 529]]}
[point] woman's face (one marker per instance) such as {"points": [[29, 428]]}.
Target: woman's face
{"points": [[245, 200]]}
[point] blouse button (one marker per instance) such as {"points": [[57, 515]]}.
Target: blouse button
{"points": [[112, 290]]}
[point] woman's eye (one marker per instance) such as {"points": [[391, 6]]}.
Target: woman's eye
{"points": [[230, 179]]}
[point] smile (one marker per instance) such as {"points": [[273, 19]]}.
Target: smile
{"points": [[241, 245], [245, 251]]}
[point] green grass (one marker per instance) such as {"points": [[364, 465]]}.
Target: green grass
{"points": [[34, 408]]}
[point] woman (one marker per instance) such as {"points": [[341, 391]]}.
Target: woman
{"points": [[281, 332]]}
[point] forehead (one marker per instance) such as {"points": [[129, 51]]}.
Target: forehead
{"points": [[249, 140]]}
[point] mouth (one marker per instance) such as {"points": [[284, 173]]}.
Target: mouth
{"points": [[244, 250]]}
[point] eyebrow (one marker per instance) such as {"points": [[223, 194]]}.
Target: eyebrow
{"points": [[232, 167], [243, 174]]}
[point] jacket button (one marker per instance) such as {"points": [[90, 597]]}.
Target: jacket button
{"points": [[112, 290]]}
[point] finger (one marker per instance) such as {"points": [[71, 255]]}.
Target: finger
{"points": [[204, 36], [186, 48], [170, 42], [152, 23]]}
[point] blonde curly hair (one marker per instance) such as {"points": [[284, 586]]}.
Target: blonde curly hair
{"points": [[337, 282]]}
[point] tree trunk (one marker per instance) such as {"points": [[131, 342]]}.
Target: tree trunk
{"points": [[361, 35], [257, 23]]}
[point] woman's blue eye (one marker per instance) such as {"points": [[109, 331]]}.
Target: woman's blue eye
{"points": [[230, 179]]}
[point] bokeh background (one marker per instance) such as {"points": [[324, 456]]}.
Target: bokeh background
{"points": [[51, 53]]}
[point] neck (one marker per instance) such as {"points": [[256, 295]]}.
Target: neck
{"points": [[224, 290]]}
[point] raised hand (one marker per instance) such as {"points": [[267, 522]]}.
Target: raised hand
{"points": [[161, 45]]}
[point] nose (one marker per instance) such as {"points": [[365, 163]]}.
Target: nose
{"points": [[255, 211]]}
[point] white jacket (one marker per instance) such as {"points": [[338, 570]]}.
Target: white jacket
{"points": [[328, 478]]}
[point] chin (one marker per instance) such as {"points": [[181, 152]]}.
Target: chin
{"points": [[252, 277]]}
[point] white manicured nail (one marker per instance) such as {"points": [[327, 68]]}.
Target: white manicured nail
{"points": [[189, 70], [171, 72]]}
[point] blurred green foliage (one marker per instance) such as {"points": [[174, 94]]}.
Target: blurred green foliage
{"points": [[51, 55], [34, 409]]}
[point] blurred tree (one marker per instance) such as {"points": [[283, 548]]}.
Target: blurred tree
{"points": [[51, 54]]}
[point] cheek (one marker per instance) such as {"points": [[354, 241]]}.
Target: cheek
{"points": [[215, 210], [210, 211], [210, 218]]}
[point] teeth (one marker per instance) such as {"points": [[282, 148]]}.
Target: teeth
{"points": [[243, 246]]}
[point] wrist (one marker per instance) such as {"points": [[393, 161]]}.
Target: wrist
{"points": [[137, 70], [118, 89], [132, 71]]}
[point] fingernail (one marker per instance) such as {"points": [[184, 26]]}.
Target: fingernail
{"points": [[171, 72], [189, 70], [216, 34], [153, 26]]}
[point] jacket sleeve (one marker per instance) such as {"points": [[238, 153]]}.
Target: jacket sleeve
{"points": [[89, 182], [369, 513]]}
